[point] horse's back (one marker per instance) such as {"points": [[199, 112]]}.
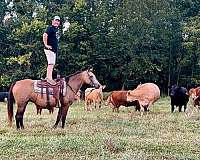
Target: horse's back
{"points": [[25, 83], [23, 88]]}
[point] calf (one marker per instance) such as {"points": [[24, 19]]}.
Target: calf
{"points": [[179, 97], [93, 95], [119, 98]]}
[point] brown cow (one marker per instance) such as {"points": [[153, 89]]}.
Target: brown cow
{"points": [[93, 95], [146, 94], [194, 93], [119, 98]]}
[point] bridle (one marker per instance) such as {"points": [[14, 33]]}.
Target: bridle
{"points": [[71, 89], [91, 83], [90, 78]]}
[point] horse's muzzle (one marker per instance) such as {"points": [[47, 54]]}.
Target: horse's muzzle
{"points": [[96, 86]]}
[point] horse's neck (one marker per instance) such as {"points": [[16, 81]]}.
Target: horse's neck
{"points": [[75, 82]]}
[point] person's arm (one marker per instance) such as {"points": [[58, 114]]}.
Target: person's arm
{"points": [[45, 37]]}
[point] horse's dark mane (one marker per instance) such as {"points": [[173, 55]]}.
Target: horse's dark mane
{"points": [[73, 74], [77, 72]]}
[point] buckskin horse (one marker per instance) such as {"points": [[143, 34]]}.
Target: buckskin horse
{"points": [[23, 92]]}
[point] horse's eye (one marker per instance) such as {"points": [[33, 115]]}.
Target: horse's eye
{"points": [[91, 76]]}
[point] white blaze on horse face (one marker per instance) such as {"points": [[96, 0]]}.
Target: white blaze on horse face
{"points": [[91, 79]]}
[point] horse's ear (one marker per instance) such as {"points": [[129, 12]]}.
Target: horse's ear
{"points": [[91, 69]]}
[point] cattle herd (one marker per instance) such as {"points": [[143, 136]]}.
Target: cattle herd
{"points": [[142, 98]]}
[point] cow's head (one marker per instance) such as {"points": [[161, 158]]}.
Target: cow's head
{"points": [[109, 102], [192, 93], [172, 90], [131, 97]]}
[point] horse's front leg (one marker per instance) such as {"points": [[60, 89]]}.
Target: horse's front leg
{"points": [[64, 114], [58, 117]]}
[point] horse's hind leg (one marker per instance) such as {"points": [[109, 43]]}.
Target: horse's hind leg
{"points": [[19, 116], [21, 121]]}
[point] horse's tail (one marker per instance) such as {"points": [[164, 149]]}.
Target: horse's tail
{"points": [[10, 104]]}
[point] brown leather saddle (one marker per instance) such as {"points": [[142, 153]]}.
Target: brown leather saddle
{"points": [[55, 90]]}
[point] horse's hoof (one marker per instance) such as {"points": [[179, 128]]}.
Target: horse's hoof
{"points": [[54, 127]]}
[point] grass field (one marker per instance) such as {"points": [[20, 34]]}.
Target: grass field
{"points": [[101, 134]]}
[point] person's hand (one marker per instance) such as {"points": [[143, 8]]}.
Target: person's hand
{"points": [[48, 46]]}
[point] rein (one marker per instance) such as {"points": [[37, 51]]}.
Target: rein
{"points": [[68, 77], [71, 89], [67, 80]]}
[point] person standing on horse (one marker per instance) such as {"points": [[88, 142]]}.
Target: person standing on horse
{"points": [[50, 40]]}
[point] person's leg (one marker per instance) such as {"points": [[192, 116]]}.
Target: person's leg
{"points": [[51, 57], [49, 71]]}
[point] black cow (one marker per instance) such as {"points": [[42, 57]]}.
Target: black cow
{"points": [[179, 97], [3, 96]]}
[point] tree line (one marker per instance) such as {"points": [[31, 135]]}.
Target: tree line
{"points": [[127, 42]]}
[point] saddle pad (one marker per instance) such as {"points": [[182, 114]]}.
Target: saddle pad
{"points": [[38, 89]]}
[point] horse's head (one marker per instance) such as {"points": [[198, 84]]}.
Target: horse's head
{"points": [[90, 78]]}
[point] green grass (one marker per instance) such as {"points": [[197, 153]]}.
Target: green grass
{"points": [[102, 134]]}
